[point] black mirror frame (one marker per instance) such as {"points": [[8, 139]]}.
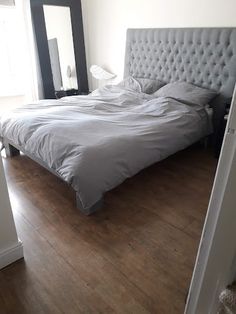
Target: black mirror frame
{"points": [[42, 43]]}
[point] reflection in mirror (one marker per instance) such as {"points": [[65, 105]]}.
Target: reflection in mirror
{"points": [[61, 48]]}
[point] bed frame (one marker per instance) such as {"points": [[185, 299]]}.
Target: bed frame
{"points": [[202, 56]]}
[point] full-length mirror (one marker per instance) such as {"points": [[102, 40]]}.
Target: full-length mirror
{"points": [[61, 47], [59, 35]]}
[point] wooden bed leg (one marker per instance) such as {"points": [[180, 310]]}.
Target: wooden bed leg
{"points": [[205, 142], [90, 210], [11, 151]]}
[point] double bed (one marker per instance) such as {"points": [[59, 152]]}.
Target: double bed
{"points": [[95, 142]]}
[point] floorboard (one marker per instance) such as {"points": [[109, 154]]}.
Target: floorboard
{"points": [[136, 255]]}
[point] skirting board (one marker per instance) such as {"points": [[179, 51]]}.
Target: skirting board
{"points": [[11, 254]]}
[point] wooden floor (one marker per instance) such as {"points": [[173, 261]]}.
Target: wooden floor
{"points": [[134, 256]]}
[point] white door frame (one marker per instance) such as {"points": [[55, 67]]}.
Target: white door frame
{"points": [[11, 248], [215, 266]]}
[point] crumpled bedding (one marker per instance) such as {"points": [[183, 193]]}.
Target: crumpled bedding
{"points": [[95, 142]]}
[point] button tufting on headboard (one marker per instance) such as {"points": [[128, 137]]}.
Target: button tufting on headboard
{"points": [[202, 56]]}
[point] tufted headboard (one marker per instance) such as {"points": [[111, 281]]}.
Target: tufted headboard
{"points": [[205, 57]]}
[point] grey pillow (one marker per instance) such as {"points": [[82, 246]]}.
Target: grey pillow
{"points": [[131, 84], [141, 85], [149, 86], [187, 93]]}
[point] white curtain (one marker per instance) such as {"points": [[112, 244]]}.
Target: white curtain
{"points": [[20, 76], [34, 89]]}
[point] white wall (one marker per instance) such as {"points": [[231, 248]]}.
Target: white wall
{"points": [[10, 247], [106, 21]]}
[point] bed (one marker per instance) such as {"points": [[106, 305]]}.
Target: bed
{"points": [[95, 142]]}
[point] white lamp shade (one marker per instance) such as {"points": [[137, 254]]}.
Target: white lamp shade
{"points": [[100, 74]]}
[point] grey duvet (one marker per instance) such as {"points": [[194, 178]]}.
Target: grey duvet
{"points": [[95, 142]]}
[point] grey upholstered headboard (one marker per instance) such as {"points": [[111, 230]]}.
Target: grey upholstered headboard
{"points": [[202, 56]]}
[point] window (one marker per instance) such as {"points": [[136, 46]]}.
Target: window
{"points": [[12, 56]]}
